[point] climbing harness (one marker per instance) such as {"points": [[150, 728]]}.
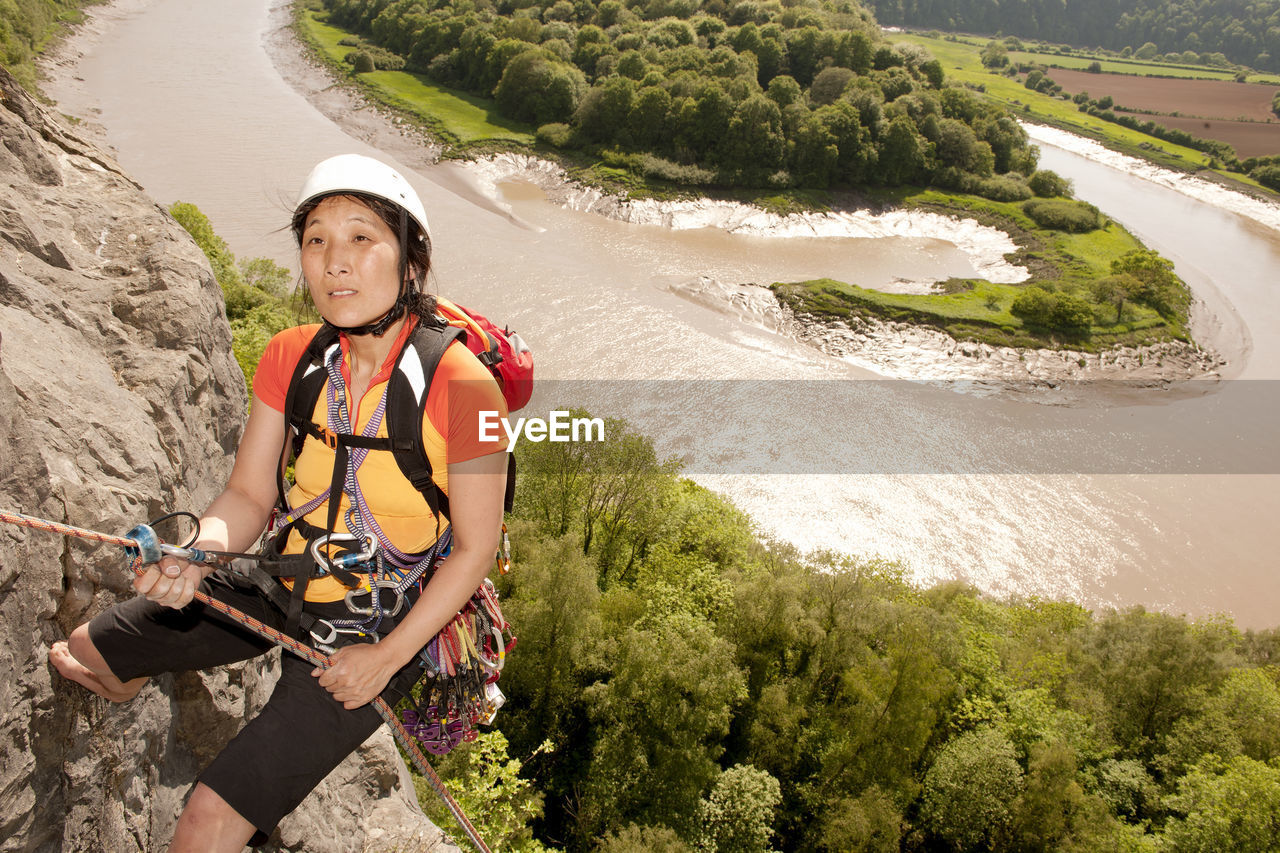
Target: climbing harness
{"points": [[143, 547]]}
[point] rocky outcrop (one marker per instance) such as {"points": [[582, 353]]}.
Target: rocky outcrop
{"points": [[120, 400]]}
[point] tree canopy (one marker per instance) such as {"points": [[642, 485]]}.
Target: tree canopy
{"points": [[752, 94]]}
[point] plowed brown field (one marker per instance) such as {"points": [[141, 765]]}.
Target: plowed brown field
{"points": [[1207, 98], [1219, 104], [1248, 138]]}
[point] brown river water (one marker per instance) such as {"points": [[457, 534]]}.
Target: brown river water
{"points": [[1129, 496]]}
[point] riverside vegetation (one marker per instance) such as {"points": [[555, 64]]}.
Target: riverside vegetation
{"points": [[26, 27], [683, 684], [801, 100]]}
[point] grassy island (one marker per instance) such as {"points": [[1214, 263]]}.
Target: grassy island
{"points": [[1087, 291]]}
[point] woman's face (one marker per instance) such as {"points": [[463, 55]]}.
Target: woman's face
{"points": [[351, 261]]}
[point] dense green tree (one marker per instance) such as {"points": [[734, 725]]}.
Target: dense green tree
{"points": [[487, 783], [538, 89], [214, 247], [737, 815], [643, 839], [1049, 184], [1235, 807], [815, 154], [994, 55], [754, 144], [1151, 669], [805, 49], [1072, 314], [971, 789], [784, 91], [554, 600], [648, 119], [1117, 290], [1034, 306], [901, 153], [1053, 812], [660, 718], [829, 84], [870, 822], [605, 109], [957, 146], [1161, 289]]}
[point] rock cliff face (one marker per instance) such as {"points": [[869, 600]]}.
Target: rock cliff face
{"points": [[120, 400]]}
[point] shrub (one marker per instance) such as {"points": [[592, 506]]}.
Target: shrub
{"points": [[361, 61], [690, 175], [1048, 184], [556, 134], [1268, 176], [1062, 215], [1072, 314], [1003, 188], [1034, 306]]}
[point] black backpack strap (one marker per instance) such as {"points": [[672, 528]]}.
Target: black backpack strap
{"points": [[305, 386], [407, 403]]}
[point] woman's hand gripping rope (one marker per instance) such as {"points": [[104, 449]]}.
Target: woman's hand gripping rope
{"points": [[357, 674]]}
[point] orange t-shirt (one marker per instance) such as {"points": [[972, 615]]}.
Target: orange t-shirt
{"points": [[461, 389]]}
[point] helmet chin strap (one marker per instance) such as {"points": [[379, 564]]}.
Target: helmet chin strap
{"points": [[408, 292], [377, 328]]}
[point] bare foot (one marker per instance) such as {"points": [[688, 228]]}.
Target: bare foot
{"points": [[110, 688]]}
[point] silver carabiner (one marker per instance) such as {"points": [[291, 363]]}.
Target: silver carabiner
{"points": [[377, 589], [325, 643], [346, 561]]}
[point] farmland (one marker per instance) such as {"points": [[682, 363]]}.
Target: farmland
{"points": [[1238, 114], [1195, 98], [1158, 95]]}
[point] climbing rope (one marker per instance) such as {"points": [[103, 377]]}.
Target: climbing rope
{"points": [[300, 649]]}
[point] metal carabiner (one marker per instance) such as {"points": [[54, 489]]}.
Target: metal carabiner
{"points": [[325, 643], [377, 588], [346, 561]]}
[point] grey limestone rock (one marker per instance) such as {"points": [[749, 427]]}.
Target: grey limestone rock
{"points": [[120, 400]]}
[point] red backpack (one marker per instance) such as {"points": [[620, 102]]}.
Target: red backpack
{"points": [[500, 350]]}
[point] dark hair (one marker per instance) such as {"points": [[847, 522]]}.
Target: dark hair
{"points": [[415, 251]]}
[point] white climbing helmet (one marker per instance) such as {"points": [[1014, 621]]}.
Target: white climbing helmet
{"points": [[360, 174]]}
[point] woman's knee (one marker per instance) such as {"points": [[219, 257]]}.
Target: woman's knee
{"points": [[209, 823], [82, 649]]}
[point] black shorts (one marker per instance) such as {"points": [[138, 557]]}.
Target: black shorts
{"points": [[298, 737]]}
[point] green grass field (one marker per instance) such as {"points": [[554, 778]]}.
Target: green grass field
{"points": [[458, 117], [1068, 57]]}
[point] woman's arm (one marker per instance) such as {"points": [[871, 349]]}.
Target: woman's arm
{"points": [[476, 488], [236, 517]]}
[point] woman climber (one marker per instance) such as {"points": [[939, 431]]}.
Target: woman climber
{"points": [[359, 567]]}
